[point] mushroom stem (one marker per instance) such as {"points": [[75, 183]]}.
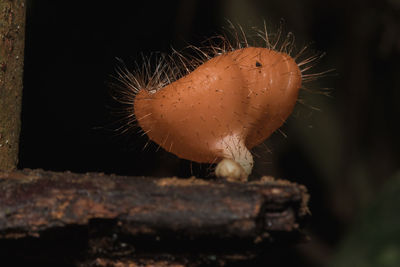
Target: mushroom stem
{"points": [[238, 161]]}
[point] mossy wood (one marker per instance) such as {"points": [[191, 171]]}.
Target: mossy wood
{"points": [[12, 38]]}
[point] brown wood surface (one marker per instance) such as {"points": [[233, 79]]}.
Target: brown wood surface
{"points": [[12, 43], [94, 218]]}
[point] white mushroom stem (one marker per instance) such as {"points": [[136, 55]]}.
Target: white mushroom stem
{"points": [[238, 161]]}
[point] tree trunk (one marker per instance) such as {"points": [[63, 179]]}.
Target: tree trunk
{"points": [[12, 37]]}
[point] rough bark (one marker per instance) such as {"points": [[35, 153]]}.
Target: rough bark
{"points": [[12, 37], [95, 218]]}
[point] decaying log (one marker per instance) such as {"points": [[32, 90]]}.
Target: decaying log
{"points": [[96, 218]]}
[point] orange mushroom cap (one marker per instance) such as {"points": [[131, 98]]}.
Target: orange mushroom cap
{"points": [[236, 99]]}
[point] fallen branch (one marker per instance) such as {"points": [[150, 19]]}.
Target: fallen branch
{"points": [[107, 216]]}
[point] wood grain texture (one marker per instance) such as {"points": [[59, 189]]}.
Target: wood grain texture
{"points": [[105, 217], [12, 43]]}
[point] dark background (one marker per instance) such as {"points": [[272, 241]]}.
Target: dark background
{"points": [[343, 153]]}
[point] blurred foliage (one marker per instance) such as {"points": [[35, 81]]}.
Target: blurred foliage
{"points": [[374, 240]]}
